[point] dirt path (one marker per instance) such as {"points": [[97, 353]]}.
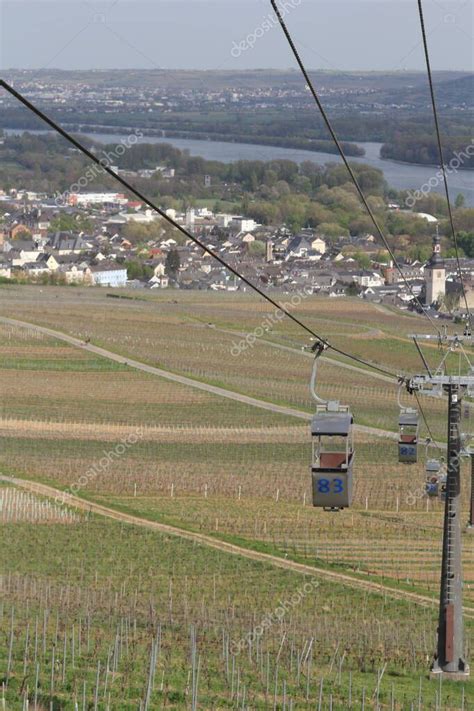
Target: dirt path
{"points": [[230, 548], [183, 380], [366, 372]]}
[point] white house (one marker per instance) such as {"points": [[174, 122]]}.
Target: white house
{"points": [[26, 256], [243, 224], [109, 274], [368, 278], [77, 273], [142, 217], [223, 220], [97, 199], [319, 245], [159, 282]]}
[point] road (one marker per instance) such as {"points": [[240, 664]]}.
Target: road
{"points": [[230, 548], [366, 372]]}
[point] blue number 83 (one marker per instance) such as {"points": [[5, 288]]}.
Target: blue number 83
{"points": [[324, 486]]}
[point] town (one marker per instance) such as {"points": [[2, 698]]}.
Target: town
{"points": [[46, 243]]}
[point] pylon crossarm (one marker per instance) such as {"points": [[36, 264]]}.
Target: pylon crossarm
{"points": [[444, 338], [432, 385]]}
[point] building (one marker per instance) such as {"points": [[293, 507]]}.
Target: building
{"points": [[5, 271], [85, 199], [319, 245], [66, 243], [365, 278], [435, 275], [242, 224], [410, 272], [109, 274]]}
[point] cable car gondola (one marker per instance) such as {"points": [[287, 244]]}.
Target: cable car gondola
{"points": [[333, 452], [433, 467], [408, 428], [435, 485], [408, 424]]}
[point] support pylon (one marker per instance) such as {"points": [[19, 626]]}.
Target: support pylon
{"points": [[449, 659], [470, 525]]}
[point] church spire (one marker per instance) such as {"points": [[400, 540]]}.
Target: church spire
{"points": [[435, 274], [436, 259]]}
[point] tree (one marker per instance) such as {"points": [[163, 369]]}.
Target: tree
{"points": [[282, 188], [23, 234], [270, 178], [172, 264], [449, 302], [331, 229], [363, 260], [353, 289], [264, 212], [71, 223], [420, 253], [136, 233], [361, 225], [316, 214], [465, 219], [382, 257], [256, 248], [434, 204], [138, 270], [466, 242], [460, 200]]}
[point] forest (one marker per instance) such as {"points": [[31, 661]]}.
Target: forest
{"points": [[423, 148]]}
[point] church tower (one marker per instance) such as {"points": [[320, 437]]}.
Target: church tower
{"points": [[435, 274]]}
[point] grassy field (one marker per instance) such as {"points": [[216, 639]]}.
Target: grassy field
{"points": [[151, 621], [197, 333], [82, 619]]}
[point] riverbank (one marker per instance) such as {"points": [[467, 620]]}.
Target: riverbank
{"points": [[400, 176]]}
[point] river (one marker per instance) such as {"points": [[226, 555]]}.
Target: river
{"points": [[398, 175]]}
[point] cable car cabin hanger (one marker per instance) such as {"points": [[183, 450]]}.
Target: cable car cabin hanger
{"points": [[333, 451]]}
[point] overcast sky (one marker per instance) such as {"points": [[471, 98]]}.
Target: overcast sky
{"points": [[212, 34]]}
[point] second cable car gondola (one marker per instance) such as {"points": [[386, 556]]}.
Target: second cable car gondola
{"points": [[433, 467], [333, 451], [408, 423]]}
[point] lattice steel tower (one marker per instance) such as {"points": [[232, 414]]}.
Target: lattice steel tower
{"points": [[449, 658]]}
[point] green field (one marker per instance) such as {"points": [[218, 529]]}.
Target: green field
{"points": [[99, 614]]}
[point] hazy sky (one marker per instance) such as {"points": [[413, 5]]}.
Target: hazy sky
{"points": [[211, 34]]}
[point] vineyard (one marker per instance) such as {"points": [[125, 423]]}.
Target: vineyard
{"points": [[98, 614]]}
